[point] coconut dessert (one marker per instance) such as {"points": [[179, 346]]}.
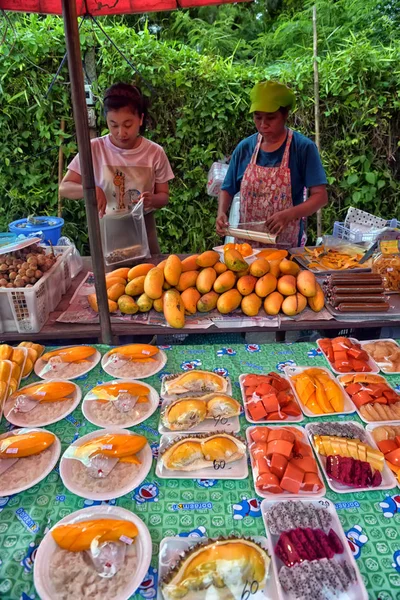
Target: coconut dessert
{"points": [[26, 456], [133, 361], [120, 403], [67, 363], [41, 403], [221, 569], [101, 555], [104, 464]]}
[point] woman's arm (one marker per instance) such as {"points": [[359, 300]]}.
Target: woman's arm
{"points": [[317, 199], [157, 199], [71, 187], [224, 202]]}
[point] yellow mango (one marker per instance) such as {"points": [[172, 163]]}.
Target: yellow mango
{"points": [[190, 298], [287, 285], [317, 302], [174, 309], [139, 270], [259, 267], [121, 272], [274, 267], [173, 270], [293, 305], [205, 280], [234, 260], [266, 285], [246, 284], [229, 301], [158, 304], [115, 291], [307, 284], [127, 305], [251, 305], [289, 267], [224, 282], [92, 299], [187, 280], [207, 259], [273, 303], [220, 268], [145, 303], [208, 302], [113, 280], [273, 254], [136, 286], [153, 283], [189, 263]]}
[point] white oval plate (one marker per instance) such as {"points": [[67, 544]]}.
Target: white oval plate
{"points": [[67, 464], [40, 364], [41, 570], [154, 400], [56, 446], [13, 416], [160, 364]]}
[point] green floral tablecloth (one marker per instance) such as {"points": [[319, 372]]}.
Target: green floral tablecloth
{"points": [[200, 507]]}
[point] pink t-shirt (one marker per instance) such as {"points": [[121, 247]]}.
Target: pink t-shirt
{"points": [[124, 174]]}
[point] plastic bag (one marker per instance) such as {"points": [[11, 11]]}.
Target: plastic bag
{"points": [[215, 179], [124, 236], [75, 259]]}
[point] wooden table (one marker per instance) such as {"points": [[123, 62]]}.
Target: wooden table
{"points": [[55, 331]]}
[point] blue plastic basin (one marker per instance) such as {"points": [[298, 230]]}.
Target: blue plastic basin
{"points": [[50, 227]]}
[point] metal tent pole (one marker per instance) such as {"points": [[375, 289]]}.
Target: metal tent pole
{"points": [[85, 155]]}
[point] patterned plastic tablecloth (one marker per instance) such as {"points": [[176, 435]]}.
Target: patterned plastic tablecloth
{"points": [[197, 508]]}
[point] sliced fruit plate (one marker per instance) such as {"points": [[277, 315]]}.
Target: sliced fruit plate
{"points": [[372, 396], [345, 355], [387, 438], [268, 399]]}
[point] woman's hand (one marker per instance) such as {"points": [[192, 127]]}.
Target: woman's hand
{"points": [[148, 201], [222, 224], [277, 223], [101, 202]]}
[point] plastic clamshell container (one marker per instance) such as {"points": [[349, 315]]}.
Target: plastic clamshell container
{"points": [[340, 377], [348, 405], [249, 259], [48, 546], [215, 424], [26, 310], [264, 421], [370, 428], [160, 362], [285, 495], [66, 465], [166, 396], [90, 400], [172, 548], [388, 481], [382, 368], [357, 590], [234, 470], [371, 362], [40, 366]]}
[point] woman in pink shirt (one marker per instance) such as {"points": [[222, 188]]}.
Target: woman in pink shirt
{"points": [[127, 166]]}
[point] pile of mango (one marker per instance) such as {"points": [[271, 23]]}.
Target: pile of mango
{"points": [[202, 283]]}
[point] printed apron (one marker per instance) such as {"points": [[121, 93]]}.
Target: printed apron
{"points": [[267, 190]]}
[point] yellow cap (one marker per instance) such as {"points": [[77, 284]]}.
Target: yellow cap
{"points": [[269, 96]]}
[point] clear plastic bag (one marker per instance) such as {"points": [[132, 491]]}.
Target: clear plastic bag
{"points": [[124, 236], [215, 179], [75, 259]]}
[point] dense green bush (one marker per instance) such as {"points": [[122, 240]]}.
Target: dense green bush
{"points": [[200, 112]]}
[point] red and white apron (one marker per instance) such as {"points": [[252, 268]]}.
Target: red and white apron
{"points": [[267, 190]]}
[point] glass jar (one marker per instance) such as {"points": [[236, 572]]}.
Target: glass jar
{"points": [[387, 264]]}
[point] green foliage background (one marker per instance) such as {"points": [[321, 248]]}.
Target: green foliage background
{"points": [[202, 65]]}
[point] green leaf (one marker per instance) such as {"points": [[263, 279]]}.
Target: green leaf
{"points": [[371, 178], [353, 178]]}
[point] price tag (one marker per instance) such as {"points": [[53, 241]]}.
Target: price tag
{"points": [[250, 588], [220, 421], [324, 503], [15, 451], [219, 464]]}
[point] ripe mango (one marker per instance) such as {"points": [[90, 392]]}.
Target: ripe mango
{"points": [[127, 305], [166, 285], [224, 282], [173, 269], [139, 270], [158, 304], [259, 267], [287, 285], [274, 267], [293, 305], [190, 298], [243, 273], [205, 280], [114, 280], [318, 301], [189, 263], [246, 284], [115, 291], [121, 272], [220, 268], [307, 284], [273, 303], [229, 301], [187, 280], [208, 302], [162, 264], [153, 283], [207, 259], [266, 285], [251, 305], [136, 286], [144, 303], [92, 299], [289, 267], [273, 254], [174, 309], [234, 260]]}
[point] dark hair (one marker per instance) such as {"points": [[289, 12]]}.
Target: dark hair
{"points": [[122, 95], [284, 110]]}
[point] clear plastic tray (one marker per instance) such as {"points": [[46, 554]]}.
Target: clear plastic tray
{"points": [[378, 363], [230, 425], [265, 422], [355, 407], [172, 548], [357, 590], [370, 428], [388, 481], [234, 470], [348, 405], [285, 495], [371, 362]]}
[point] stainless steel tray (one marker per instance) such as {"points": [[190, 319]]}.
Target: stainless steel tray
{"points": [[393, 314], [304, 259]]}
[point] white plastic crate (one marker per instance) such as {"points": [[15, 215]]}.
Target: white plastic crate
{"points": [[26, 310], [357, 237]]}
